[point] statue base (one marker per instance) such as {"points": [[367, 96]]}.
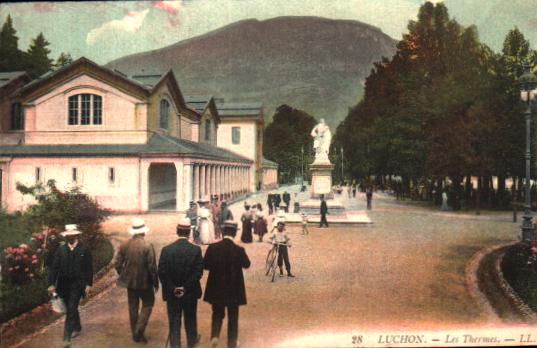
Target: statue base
{"points": [[321, 180]]}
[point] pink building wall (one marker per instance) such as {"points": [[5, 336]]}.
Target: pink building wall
{"points": [[123, 116]]}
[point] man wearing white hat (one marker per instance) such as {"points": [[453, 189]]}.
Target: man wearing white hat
{"points": [[71, 276], [137, 268]]}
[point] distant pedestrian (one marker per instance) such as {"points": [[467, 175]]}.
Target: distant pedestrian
{"points": [[354, 190], [246, 219], [137, 268], [225, 284], [71, 277], [349, 190], [280, 237], [215, 211], [192, 214], [205, 222], [305, 224], [324, 211], [224, 215], [270, 203], [445, 206], [369, 196], [286, 200], [180, 269], [261, 225], [277, 200]]}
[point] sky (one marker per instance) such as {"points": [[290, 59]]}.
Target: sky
{"points": [[103, 31]]}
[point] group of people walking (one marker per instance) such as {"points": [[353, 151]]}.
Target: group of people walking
{"points": [[207, 219], [276, 200], [179, 269], [253, 222]]}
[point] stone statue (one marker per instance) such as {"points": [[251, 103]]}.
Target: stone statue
{"points": [[321, 143]]}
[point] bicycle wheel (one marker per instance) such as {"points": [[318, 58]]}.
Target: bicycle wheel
{"points": [[270, 260], [274, 264]]}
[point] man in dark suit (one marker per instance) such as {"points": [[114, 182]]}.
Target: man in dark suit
{"points": [[277, 200], [180, 269], [324, 211], [71, 277], [286, 200], [137, 269], [225, 285]]}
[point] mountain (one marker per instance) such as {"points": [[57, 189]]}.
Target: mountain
{"points": [[314, 64]]}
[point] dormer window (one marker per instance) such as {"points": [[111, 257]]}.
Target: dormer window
{"points": [[164, 114], [85, 109]]}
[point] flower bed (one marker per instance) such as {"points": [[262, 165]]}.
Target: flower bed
{"points": [[30, 239], [519, 267]]}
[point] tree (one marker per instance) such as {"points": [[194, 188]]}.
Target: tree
{"points": [[63, 60], [10, 55], [285, 137], [38, 60]]}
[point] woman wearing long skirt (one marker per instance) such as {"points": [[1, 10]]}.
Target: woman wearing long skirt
{"points": [[246, 218], [205, 223]]}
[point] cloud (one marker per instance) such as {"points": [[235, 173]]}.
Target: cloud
{"points": [[171, 8], [43, 7], [130, 23]]}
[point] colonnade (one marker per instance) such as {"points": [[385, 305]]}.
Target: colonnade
{"points": [[224, 180]]}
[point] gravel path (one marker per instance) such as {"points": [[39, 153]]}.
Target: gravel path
{"points": [[404, 272]]}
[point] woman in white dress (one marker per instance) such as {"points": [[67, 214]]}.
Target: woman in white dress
{"points": [[205, 223]]}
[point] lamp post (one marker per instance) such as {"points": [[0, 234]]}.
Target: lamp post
{"points": [[342, 167], [302, 167], [527, 83]]}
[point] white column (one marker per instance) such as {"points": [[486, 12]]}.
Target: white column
{"points": [[180, 187], [196, 182], [202, 181]]}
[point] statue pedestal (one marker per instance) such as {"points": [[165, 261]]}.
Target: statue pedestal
{"points": [[321, 180]]}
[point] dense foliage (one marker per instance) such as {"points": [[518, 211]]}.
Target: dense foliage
{"points": [[445, 105], [287, 141], [29, 240], [35, 61], [519, 267]]}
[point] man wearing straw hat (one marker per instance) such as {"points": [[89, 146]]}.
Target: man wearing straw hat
{"points": [[180, 269], [137, 269], [71, 276]]}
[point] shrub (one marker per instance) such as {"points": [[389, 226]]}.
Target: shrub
{"points": [[56, 209], [20, 265], [18, 299]]}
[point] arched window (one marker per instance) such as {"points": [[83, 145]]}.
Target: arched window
{"points": [[207, 130], [164, 114], [85, 109]]}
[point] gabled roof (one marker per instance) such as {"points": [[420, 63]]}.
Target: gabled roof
{"points": [[157, 145], [202, 103], [50, 80], [240, 110], [10, 77]]}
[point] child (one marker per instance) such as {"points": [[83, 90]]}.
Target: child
{"points": [[305, 224], [280, 237]]}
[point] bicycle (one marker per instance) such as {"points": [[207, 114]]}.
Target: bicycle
{"points": [[272, 257]]}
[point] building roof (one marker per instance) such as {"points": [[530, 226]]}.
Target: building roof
{"points": [[242, 110], [157, 145], [7, 77], [146, 80], [198, 102], [269, 164]]}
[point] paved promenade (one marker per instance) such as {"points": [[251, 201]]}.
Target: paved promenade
{"points": [[405, 272]]}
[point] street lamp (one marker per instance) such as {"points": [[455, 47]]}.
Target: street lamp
{"points": [[527, 83], [342, 167]]}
